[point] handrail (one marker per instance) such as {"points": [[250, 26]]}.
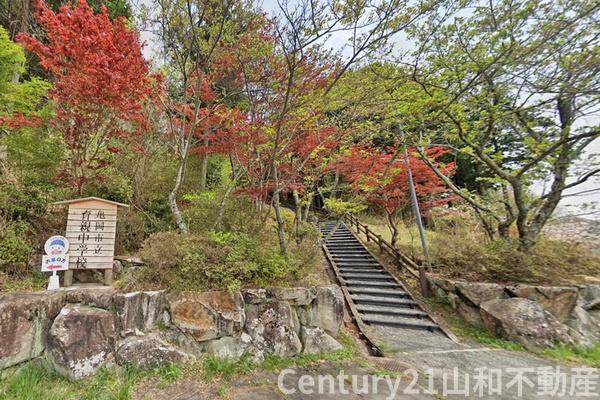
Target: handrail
{"points": [[402, 260]]}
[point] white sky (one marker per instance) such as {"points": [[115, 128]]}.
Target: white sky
{"points": [[338, 41]]}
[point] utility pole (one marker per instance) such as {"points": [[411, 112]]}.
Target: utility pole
{"points": [[417, 213]]}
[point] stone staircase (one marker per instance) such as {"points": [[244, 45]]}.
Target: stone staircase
{"points": [[377, 296]]}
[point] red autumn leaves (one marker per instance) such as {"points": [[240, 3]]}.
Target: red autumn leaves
{"points": [[381, 176], [103, 88], [101, 83]]}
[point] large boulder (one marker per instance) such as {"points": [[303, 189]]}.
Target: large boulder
{"points": [[93, 297], [81, 340], [255, 296], [295, 296], [526, 322], [24, 322], [470, 295], [560, 301], [208, 315], [441, 287], [298, 296], [148, 351], [274, 328], [326, 311], [589, 297], [230, 347], [140, 312], [585, 324], [316, 341], [479, 292]]}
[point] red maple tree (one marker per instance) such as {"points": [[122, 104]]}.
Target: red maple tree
{"points": [[382, 177], [101, 83]]}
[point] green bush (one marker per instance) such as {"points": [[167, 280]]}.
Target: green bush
{"points": [[22, 202], [202, 209], [222, 259], [15, 248], [549, 261], [341, 207]]}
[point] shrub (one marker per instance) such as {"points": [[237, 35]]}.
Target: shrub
{"points": [[163, 250], [22, 202], [222, 259], [341, 207], [549, 261], [15, 248]]}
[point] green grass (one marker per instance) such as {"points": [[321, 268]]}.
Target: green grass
{"points": [[37, 380], [588, 355], [577, 354], [214, 367], [408, 235], [465, 330], [27, 283]]}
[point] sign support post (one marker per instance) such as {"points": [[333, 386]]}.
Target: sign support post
{"points": [[56, 259]]}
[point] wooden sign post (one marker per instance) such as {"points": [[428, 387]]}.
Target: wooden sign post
{"points": [[91, 231]]}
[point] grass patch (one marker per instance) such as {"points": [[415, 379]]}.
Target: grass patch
{"points": [[243, 252], [37, 380], [587, 355], [214, 367], [577, 354], [459, 250], [29, 283], [463, 329]]}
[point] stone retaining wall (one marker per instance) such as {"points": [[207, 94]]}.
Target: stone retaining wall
{"points": [[80, 330], [535, 316]]}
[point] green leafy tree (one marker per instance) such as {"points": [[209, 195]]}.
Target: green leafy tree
{"points": [[29, 151], [515, 83]]}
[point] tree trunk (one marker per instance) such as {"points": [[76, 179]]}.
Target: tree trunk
{"points": [[203, 171], [393, 229], [504, 231], [530, 228], [225, 198], [173, 198], [336, 182], [298, 215], [306, 213], [280, 224]]}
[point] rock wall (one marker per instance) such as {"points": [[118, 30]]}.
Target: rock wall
{"points": [[80, 330], [535, 316]]}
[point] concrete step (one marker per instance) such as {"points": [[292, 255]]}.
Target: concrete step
{"points": [[363, 283], [383, 300], [352, 256], [401, 322], [361, 264], [346, 260], [380, 292], [368, 277], [362, 253], [328, 243], [377, 271], [394, 311]]}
